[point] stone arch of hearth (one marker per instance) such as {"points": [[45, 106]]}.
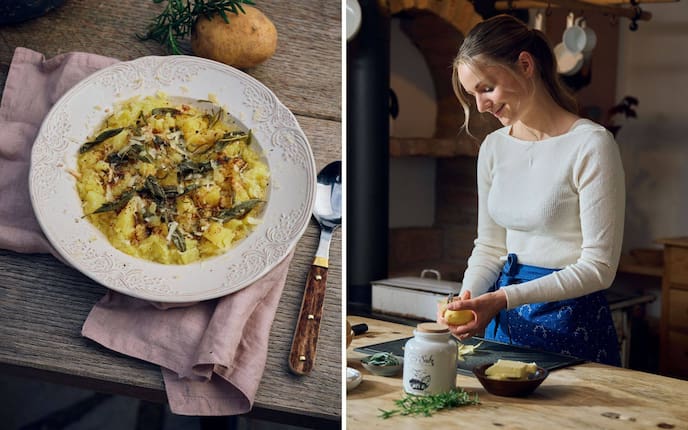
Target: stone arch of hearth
{"points": [[438, 27], [460, 14]]}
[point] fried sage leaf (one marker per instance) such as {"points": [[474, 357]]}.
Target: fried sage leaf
{"points": [[102, 137], [164, 110], [145, 157], [116, 205], [239, 210], [134, 152], [232, 136], [178, 240], [173, 192], [188, 167], [215, 117], [154, 189]]}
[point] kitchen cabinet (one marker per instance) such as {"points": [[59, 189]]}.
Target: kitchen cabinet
{"points": [[673, 358]]}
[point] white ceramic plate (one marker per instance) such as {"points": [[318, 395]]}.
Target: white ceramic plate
{"points": [[81, 110]]}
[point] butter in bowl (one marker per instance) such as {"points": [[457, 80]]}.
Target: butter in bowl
{"points": [[383, 364], [510, 378]]}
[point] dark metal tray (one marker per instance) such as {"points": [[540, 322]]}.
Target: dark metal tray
{"points": [[489, 352]]}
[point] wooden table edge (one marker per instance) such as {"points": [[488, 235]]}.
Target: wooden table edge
{"points": [[157, 395]]}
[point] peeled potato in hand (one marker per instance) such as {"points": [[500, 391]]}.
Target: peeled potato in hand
{"points": [[457, 317], [246, 41]]}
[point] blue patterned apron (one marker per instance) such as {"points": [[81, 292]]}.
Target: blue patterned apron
{"points": [[580, 327]]}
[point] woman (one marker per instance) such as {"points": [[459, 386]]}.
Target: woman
{"points": [[551, 202]]}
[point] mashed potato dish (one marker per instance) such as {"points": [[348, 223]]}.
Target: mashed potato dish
{"points": [[171, 182]]}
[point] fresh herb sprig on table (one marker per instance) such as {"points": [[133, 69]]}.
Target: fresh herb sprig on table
{"points": [[179, 17], [427, 405]]}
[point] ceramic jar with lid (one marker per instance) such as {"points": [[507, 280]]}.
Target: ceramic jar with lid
{"points": [[430, 360]]}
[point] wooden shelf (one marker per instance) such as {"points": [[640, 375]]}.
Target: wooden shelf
{"points": [[638, 269], [630, 264], [432, 147], [675, 241]]}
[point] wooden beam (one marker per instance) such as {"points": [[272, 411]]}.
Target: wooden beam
{"points": [[627, 2], [628, 12]]}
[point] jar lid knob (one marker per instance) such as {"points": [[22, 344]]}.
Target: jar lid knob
{"points": [[431, 327]]}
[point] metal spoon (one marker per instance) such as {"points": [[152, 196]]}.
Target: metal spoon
{"points": [[327, 211]]}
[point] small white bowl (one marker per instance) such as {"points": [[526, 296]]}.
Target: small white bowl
{"points": [[353, 378], [353, 18]]}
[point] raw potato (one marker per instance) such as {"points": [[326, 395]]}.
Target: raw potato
{"points": [[248, 39]]}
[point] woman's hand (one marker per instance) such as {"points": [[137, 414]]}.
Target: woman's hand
{"points": [[465, 295], [484, 308]]}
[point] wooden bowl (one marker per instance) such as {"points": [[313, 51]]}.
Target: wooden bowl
{"points": [[510, 387]]}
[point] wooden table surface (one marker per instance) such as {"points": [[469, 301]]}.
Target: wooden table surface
{"points": [[586, 396], [43, 304]]}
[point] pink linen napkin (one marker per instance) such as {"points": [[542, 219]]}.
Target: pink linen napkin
{"points": [[33, 85], [212, 353]]}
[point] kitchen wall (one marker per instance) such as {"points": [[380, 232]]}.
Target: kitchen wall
{"points": [[653, 66]]}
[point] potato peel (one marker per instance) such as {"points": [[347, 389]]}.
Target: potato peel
{"points": [[466, 349]]}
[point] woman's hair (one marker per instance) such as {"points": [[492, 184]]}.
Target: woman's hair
{"points": [[499, 41]]}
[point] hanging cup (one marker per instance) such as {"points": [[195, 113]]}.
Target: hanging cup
{"points": [[590, 38], [539, 21], [568, 63], [579, 37]]}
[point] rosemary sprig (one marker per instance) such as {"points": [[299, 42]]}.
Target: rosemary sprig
{"points": [[426, 405], [179, 16]]}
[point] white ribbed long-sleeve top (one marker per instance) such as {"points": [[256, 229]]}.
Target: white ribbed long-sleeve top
{"points": [[555, 203]]}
